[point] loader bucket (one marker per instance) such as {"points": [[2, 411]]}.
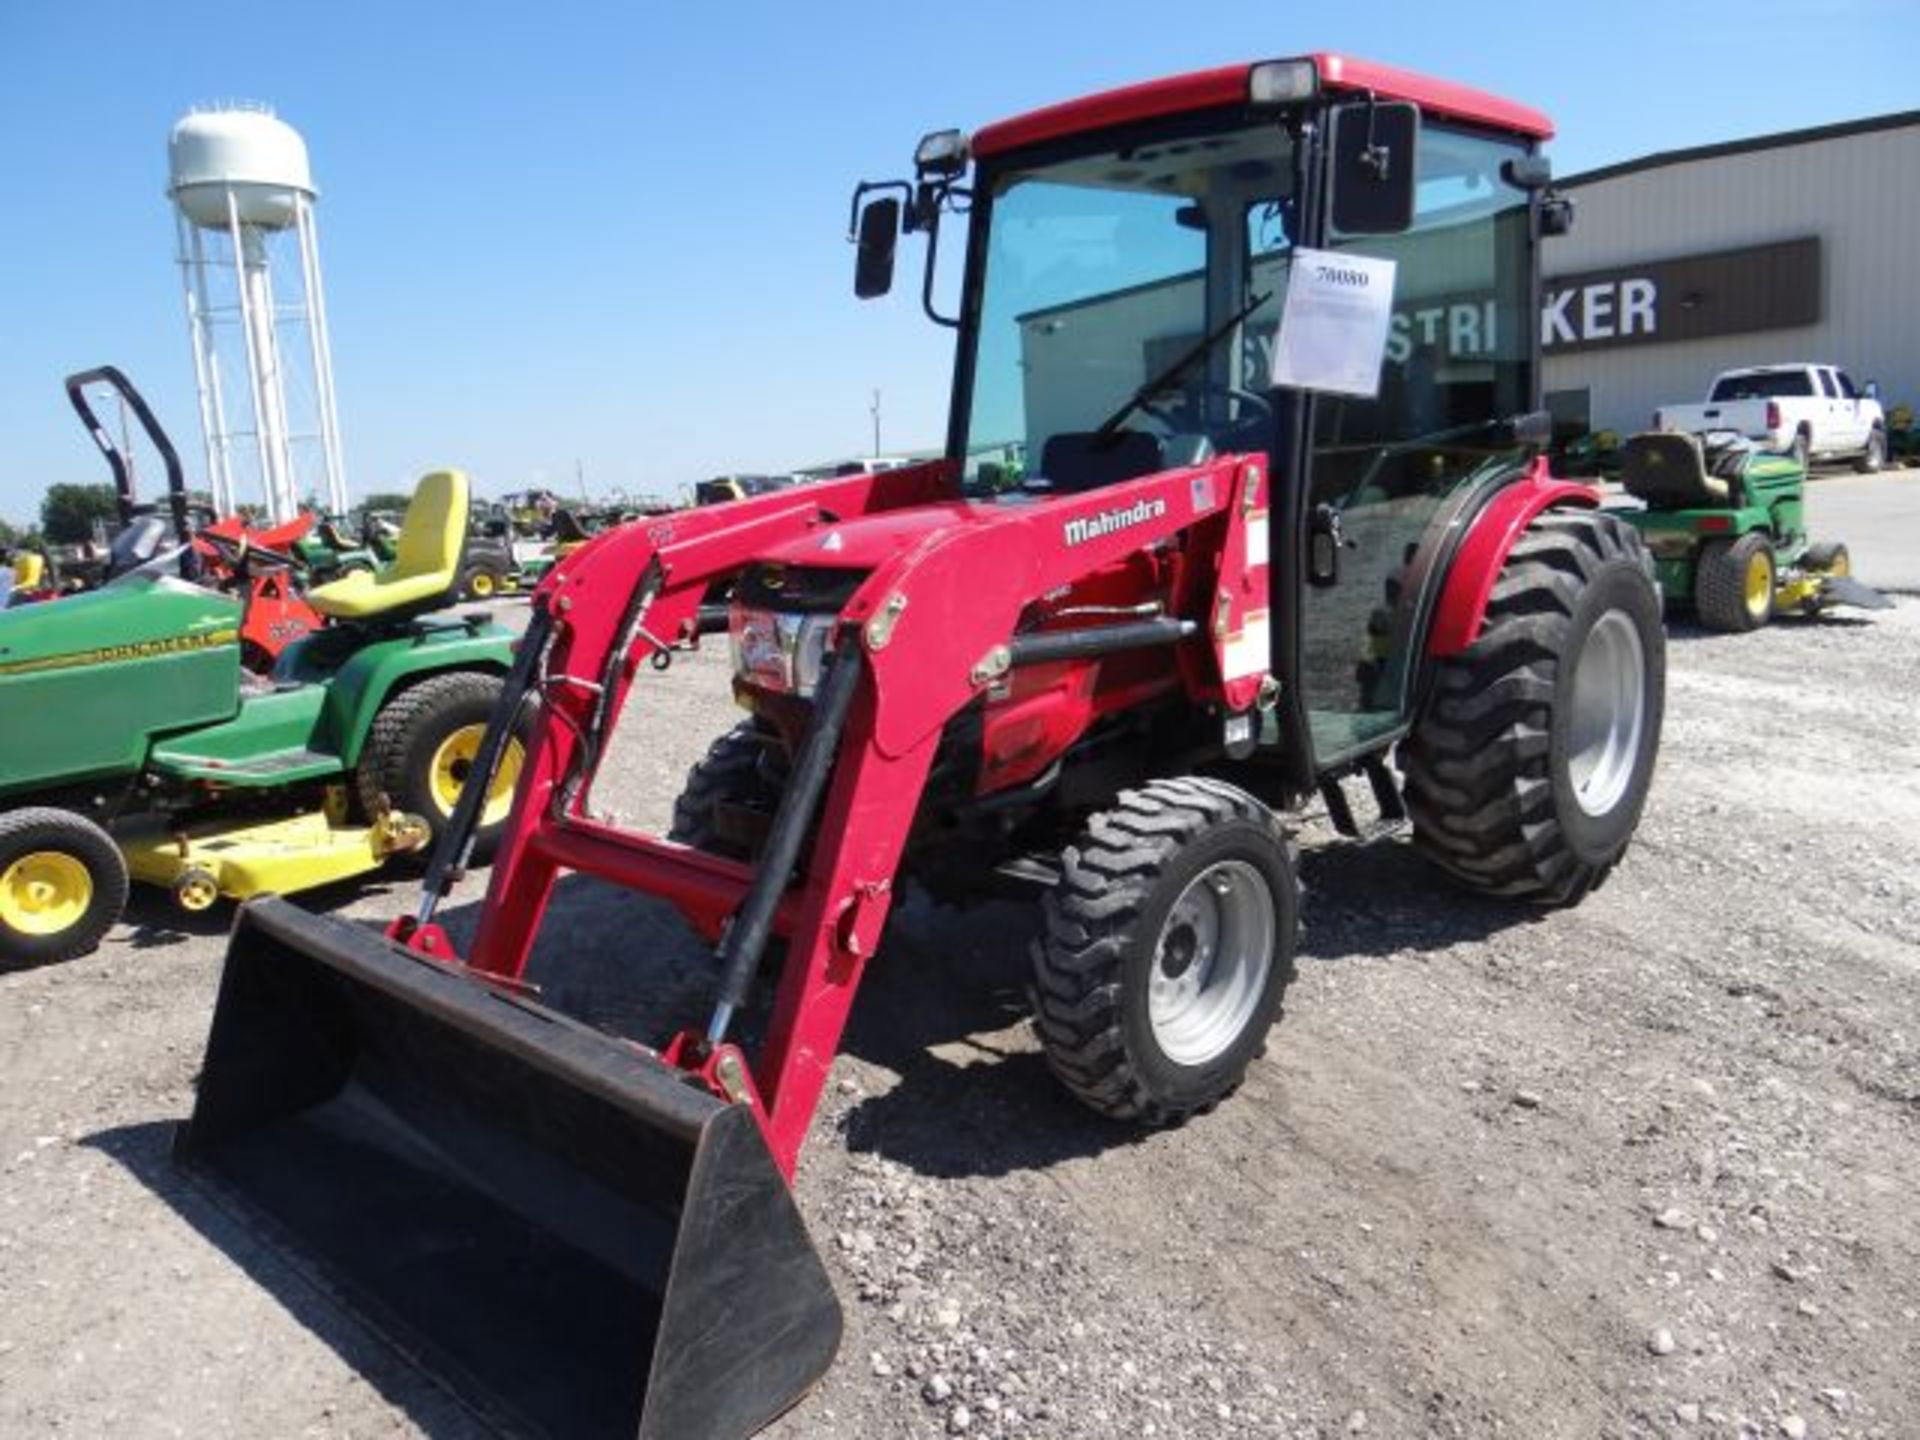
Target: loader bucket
{"points": [[550, 1220]]}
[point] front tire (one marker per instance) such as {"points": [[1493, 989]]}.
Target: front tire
{"points": [[1167, 948], [63, 882], [422, 745], [1734, 584], [1528, 769], [727, 781]]}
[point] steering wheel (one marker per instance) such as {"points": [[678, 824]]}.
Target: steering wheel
{"points": [[241, 553], [1243, 428]]}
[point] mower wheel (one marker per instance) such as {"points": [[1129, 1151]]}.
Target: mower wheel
{"points": [[1734, 582], [1528, 768], [1167, 948], [728, 776], [63, 882], [483, 580], [1874, 457], [1828, 557], [421, 746]]}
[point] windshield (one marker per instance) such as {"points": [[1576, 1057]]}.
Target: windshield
{"points": [[1097, 282], [1762, 385]]}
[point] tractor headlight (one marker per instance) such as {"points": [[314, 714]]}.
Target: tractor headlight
{"points": [[778, 651]]}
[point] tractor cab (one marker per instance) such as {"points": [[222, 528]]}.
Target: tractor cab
{"points": [[1128, 259]]}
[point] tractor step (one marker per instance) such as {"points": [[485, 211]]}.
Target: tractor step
{"points": [[1391, 809], [201, 863], [277, 767]]}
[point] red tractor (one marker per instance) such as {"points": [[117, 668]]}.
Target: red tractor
{"points": [[1150, 600]]}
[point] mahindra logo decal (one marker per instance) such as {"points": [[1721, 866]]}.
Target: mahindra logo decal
{"points": [[1092, 527]]}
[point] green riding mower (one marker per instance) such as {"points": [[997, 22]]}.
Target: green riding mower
{"points": [[135, 746], [1725, 523]]}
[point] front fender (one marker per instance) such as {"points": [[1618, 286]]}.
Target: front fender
{"points": [[363, 683], [1489, 540]]}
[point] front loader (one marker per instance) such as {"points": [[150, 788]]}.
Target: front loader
{"points": [[1162, 589]]}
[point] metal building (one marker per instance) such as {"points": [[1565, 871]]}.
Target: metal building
{"points": [[1791, 247]]}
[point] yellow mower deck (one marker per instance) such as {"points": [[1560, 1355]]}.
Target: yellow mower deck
{"points": [[202, 863]]}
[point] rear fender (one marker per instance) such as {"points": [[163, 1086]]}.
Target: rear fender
{"points": [[373, 673], [1489, 540]]}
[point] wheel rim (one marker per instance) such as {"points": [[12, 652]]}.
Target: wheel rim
{"points": [[1609, 712], [481, 585], [452, 762], [1210, 963], [1759, 583], [45, 892], [1841, 564]]}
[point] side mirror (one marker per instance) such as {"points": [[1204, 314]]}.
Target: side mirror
{"points": [[1556, 216], [1375, 160], [1872, 391], [879, 233]]}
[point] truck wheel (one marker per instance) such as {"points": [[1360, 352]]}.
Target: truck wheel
{"points": [[1802, 449], [727, 777], [1528, 768], [63, 882], [1733, 584], [1875, 455], [1168, 945], [421, 746]]}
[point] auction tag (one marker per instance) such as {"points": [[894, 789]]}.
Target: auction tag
{"points": [[1333, 325]]}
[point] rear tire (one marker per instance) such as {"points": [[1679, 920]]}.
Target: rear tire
{"points": [[1875, 455], [63, 882], [1528, 768], [1734, 582], [421, 744], [1167, 949]]}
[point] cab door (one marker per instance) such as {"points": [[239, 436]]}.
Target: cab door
{"points": [[1386, 473]]}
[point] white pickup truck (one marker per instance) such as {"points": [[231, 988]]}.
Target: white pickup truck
{"points": [[1816, 411]]}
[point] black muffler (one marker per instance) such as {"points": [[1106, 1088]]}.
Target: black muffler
{"points": [[552, 1221]]}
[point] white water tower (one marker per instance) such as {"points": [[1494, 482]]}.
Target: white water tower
{"points": [[243, 196]]}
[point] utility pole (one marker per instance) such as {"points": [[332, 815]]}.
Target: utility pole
{"points": [[580, 479], [874, 409]]}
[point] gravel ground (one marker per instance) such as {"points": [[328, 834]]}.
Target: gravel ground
{"points": [[1646, 1167]]}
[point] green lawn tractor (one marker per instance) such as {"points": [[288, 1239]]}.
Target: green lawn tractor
{"points": [[133, 745], [1725, 524]]}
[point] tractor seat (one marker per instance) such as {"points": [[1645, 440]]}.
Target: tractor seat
{"points": [[1670, 471], [332, 535], [567, 529], [1080, 460], [426, 562]]}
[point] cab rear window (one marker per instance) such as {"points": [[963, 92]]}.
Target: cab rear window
{"points": [[1765, 385]]}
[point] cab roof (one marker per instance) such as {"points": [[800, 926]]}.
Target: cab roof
{"points": [[1227, 85]]}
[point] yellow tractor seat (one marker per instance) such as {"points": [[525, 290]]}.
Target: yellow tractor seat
{"points": [[426, 562]]}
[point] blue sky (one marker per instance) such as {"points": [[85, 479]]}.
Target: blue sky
{"points": [[615, 234]]}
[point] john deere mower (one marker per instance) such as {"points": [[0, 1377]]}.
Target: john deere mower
{"points": [[136, 746], [1725, 524]]}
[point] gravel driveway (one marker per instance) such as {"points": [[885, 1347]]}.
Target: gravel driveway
{"points": [[1647, 1167]]}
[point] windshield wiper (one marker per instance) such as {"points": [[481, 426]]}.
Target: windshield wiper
{"points": [[1173, 372]]}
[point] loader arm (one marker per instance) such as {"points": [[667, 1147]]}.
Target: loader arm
{"points": [[934, 627]]}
